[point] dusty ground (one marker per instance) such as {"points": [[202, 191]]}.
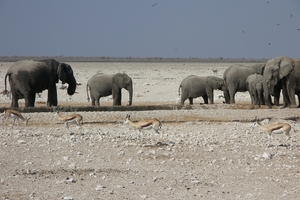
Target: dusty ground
{"points": [[205, 152]]}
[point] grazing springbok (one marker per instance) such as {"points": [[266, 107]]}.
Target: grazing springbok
{"points": [[144, 124], [275, 129], [70, 118], [15, 114], [215, 71]]}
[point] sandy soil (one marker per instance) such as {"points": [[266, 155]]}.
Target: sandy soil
{"points": [[203, 152]]}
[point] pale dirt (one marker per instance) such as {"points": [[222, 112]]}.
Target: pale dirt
{"points": [[207, 152]]}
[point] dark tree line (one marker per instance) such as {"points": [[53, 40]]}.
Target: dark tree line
{"points": [[130, 59]]}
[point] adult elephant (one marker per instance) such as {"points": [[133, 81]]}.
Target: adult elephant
{"points": [[285, 71], [235, 79], [102, 85], [28, 77], [195, 86], [254, 84]]}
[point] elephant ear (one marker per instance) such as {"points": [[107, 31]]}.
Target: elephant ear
{"points": [[214, 82], [286, 65], [126, 79], [118, 80], [262, 69]]}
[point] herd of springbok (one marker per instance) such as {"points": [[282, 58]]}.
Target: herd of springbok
{"points": [[144, 124]]}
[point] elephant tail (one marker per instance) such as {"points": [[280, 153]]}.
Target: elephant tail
{"points": [[87, 92], [179, 89], [5, 91]]}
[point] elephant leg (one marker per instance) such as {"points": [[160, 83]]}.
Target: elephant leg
{"points": [[96, 101], [205, 98], [30, 99], [276, 100], [93, 101], [14, 95], [183, 97], [232, 92], [14, 101], [210, 96], [291, 92], [117, 96], [276, 97], [251, 97], [257, 100], [262, 99], [115, 101], [182, 100], [232, 100], [226, 96], [119, 99], [286, 99], [52, 97], [191, 100]]}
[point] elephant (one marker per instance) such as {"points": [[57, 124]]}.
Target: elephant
{"points": [[28, 77], [285, 72], [235, 79], [195, 86], [254, 84], [102, 85]]}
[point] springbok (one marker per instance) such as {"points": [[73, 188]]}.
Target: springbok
{"points": [[144, 124], [70, 118], [215, 71], [15, 114], [278, 128]]}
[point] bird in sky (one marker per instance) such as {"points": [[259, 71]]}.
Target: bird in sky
{"points": [[154, 5]]}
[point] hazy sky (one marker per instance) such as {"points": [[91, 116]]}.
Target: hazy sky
{"points": [[150, 28]]}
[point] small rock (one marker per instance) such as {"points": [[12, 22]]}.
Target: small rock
{"points": [[21, 142], [210, 149], [195, 181], [99, 187], [66, 158], [140, 152], [70, 180], [153, 152], [267, 155], [72, 166], [68, 198]]}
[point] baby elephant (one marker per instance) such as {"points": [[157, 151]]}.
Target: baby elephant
{"points": [[254, 84], [195, 86]]}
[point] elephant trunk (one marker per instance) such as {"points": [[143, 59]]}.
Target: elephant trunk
{"points": [[267, 94], [72, 85]]}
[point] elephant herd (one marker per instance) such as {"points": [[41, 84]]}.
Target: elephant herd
{"points": [[276, 76]]}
